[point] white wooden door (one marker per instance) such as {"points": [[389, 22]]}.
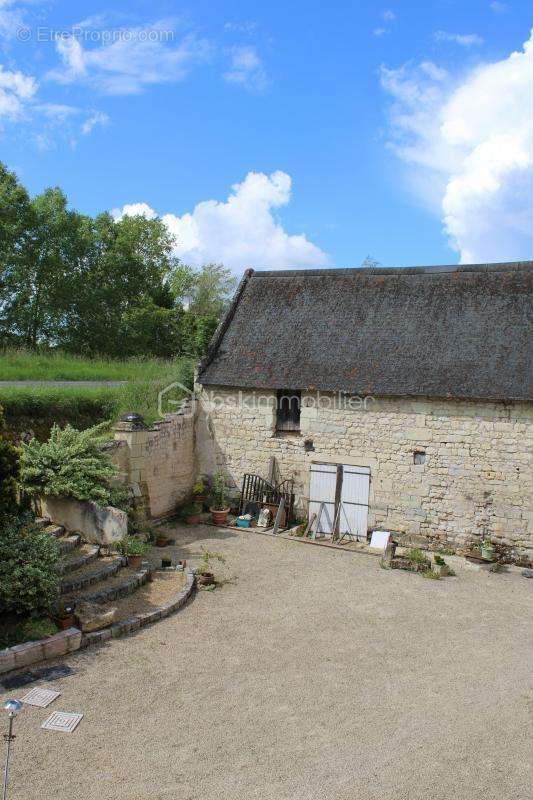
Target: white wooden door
{"points": [[322, 491], [353, 514]]}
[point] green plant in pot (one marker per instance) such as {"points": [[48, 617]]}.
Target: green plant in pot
{"points": [[487, 550], [199, 491], [191, 512], [219, 502], [204, 573], [133, 549]]}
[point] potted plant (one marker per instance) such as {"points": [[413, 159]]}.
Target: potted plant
{"points": [[65, 616], [204, 574], [191, 512], [198, 492], [134, 549], [219, 506], [161, 539], [487, 550], [440, 566]]}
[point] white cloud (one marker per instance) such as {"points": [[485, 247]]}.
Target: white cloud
{"points": [[498, 7], [240, 232], [471, 140], [133, 59], [16, 90], [11, 18], [134, 210], [388, 15], [379, 31], [97, 118], [464, 39], [246, 68]]}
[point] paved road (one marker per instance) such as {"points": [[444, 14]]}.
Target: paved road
{"points": [[315, 675]]}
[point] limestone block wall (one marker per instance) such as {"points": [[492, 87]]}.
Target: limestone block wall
{"points": [[157, 462], [476, 474]]}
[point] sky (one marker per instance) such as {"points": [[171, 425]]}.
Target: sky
{"points": [[282, 135]]}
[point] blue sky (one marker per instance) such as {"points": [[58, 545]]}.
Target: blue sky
{"points": [[402, 130]]}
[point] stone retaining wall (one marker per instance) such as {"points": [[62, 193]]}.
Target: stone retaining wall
{"points": [[157, 462], [476, 474]]}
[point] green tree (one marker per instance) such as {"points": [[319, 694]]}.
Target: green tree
{"points": [[152, 329], [204, 292], [44, 278]]}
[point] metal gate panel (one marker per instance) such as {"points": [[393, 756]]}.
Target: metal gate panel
{"points": [[322, 491], [353, 515]]}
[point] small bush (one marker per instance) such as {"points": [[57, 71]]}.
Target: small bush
{"points": [[28, 558], [416, 555], [132, 546], [71, 463], [29, 631], [430, 575]]}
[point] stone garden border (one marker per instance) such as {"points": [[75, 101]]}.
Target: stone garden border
{"points": [[126, 626], [22, 655], [65, 642]]}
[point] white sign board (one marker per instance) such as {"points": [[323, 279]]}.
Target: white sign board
{"points": [[379, 540]]}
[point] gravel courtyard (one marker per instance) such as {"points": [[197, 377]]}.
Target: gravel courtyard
{"points": [[310, 675]]}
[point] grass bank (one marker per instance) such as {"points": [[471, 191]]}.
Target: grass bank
{"points": [[34, 409]]}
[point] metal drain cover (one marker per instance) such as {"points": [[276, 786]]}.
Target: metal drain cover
{"points": [[62, 721], [40, 697]]}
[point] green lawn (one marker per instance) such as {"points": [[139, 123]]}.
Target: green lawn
{"points": [[23, 365], [38, 407]]}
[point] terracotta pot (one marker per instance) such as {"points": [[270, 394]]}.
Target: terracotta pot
{"points": [[219, 516], [134, 562], [66, 622], [161, 541], [192, 519], [207, 579]]}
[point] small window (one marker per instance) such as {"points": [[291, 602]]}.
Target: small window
{"points": [[419, 457], [288, 410]]}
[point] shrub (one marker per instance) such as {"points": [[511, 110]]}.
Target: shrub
{"points": [[132, 546], [71, 463], [218, 493], [9, 470], [28, 558]]}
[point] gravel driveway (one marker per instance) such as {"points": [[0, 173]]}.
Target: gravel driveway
{"points": [[313, 675]]}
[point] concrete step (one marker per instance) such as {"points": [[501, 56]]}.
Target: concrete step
{"points": [[78, 558], [68, 543], [92, 573], [42, 522], [126, 582], [54, 530]]}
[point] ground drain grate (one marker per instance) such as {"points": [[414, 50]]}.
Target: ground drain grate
{"points": [[43, 674], [62, 721], [40, 697]]}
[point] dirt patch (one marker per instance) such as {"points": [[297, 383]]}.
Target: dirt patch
{"points": [[165, 585]]}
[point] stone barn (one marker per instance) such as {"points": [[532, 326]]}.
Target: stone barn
{"points": [[395, 398]]}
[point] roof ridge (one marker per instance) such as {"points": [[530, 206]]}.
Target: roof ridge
{"points": [[436, 269]]}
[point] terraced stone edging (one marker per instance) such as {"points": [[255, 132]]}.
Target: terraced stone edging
{"points": [[129, 586], [126, 626], [22, 655], [75, 584]]}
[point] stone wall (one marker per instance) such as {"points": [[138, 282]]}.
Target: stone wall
{"points": [[476, 475], [156, 462]]}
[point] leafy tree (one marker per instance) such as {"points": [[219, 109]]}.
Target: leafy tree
{"points": [[70, 464], [9, 470], [152, 329], [43, 279], [14, 213], [204, 292]]}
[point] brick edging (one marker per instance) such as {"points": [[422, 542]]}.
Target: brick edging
{"points": [[126, 626], [74, 585], [23, 655]]}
